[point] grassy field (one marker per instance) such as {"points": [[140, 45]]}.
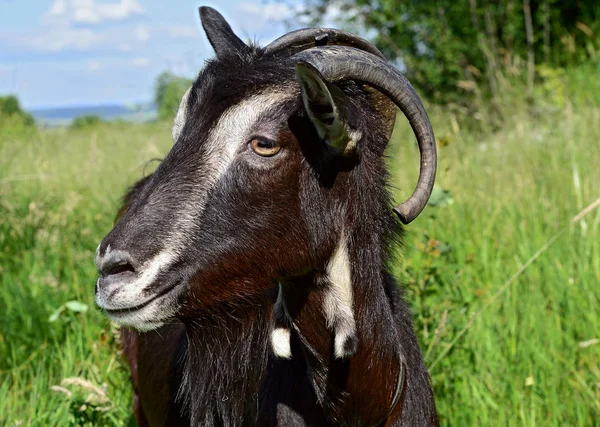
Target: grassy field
{"points": [[507, 342]]}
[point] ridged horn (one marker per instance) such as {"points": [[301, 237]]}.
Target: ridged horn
{"points": [[299, 40], [337, 63]]}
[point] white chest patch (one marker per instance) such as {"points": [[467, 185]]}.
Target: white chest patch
{"points": [[280, 335], [337, 307], [338, 302], [280, 340]]}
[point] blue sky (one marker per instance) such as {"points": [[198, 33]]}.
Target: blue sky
{"points": [[89, 52]]}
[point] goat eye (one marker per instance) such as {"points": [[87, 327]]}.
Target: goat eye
{"points": [[265, 147]]}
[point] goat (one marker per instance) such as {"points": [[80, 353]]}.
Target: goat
{"points": [[258, 250]]}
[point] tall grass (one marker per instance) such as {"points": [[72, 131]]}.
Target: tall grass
{"points": [[59, 191], [528, 358], [532, 356]]}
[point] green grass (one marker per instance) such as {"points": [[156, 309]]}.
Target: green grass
{"points": [[518, 362], [59, 191]]}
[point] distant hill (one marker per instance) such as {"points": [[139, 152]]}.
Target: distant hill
{"points": [[62, 116]]}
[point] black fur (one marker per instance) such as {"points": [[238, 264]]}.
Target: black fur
{"points": [[219, 33], [260, 228]]}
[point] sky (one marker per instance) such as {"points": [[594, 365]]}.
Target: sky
{"points": [[56, 53]]}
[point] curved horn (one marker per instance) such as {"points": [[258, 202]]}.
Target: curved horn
{"points": [[337, 63], [299, 40]]}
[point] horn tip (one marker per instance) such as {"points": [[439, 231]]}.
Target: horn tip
{"points": [[303, 67], [404, 214]]}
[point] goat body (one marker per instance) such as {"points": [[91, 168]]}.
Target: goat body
{"points": [[253, 262]]}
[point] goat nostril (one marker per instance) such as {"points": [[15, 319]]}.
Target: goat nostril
{"points": [[123, 267], [116, 262]]}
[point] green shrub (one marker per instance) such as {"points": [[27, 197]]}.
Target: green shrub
{"points": [[10, 109], [169, 90], [86, 121]]}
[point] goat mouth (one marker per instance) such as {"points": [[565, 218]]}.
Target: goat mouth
{"points": [[118, 313]]}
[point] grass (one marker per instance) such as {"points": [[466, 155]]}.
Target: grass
{"points": [[58, 193], [521, 361], [521, 356]]}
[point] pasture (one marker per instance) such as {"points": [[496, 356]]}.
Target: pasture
{"points": [[505, 287]]}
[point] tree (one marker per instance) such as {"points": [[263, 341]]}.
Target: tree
{"points": [[169, 90], [10, 107], [86, 121], [455, 48]]}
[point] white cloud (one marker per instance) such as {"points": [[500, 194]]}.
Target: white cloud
{"points": [[268, 11], [263, 21], [182, 32], [69, 25], [92, 11], [93, 65], [59, 7], [142, 34], [63, 37], [60, 38], [140, 62]]}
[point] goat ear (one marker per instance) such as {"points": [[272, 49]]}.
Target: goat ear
{"points": [[325, 104], [220, 35]]}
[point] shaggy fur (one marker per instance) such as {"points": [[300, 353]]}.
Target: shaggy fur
{"points": [[268, 229]]}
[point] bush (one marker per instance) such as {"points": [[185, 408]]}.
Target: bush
{"points": [[10, 108], [168, 93], [86, 121]]}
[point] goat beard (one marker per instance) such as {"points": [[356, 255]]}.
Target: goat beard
{"points": [[227, 358]]}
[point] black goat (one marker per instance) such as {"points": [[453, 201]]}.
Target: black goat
{"points": [[269, 222]]}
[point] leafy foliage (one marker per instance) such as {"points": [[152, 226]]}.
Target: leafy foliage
{"points": [[85, 121], [169, 90], [10, 109], [457, 50]]}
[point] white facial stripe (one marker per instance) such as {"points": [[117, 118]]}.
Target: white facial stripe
{"points": [[97, 254], [131, 294], [230, 133], [235, 125], [181, 116], [280, 340], [338, 302]]}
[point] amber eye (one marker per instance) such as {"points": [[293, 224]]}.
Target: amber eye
{"points": [[265, 147]]}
